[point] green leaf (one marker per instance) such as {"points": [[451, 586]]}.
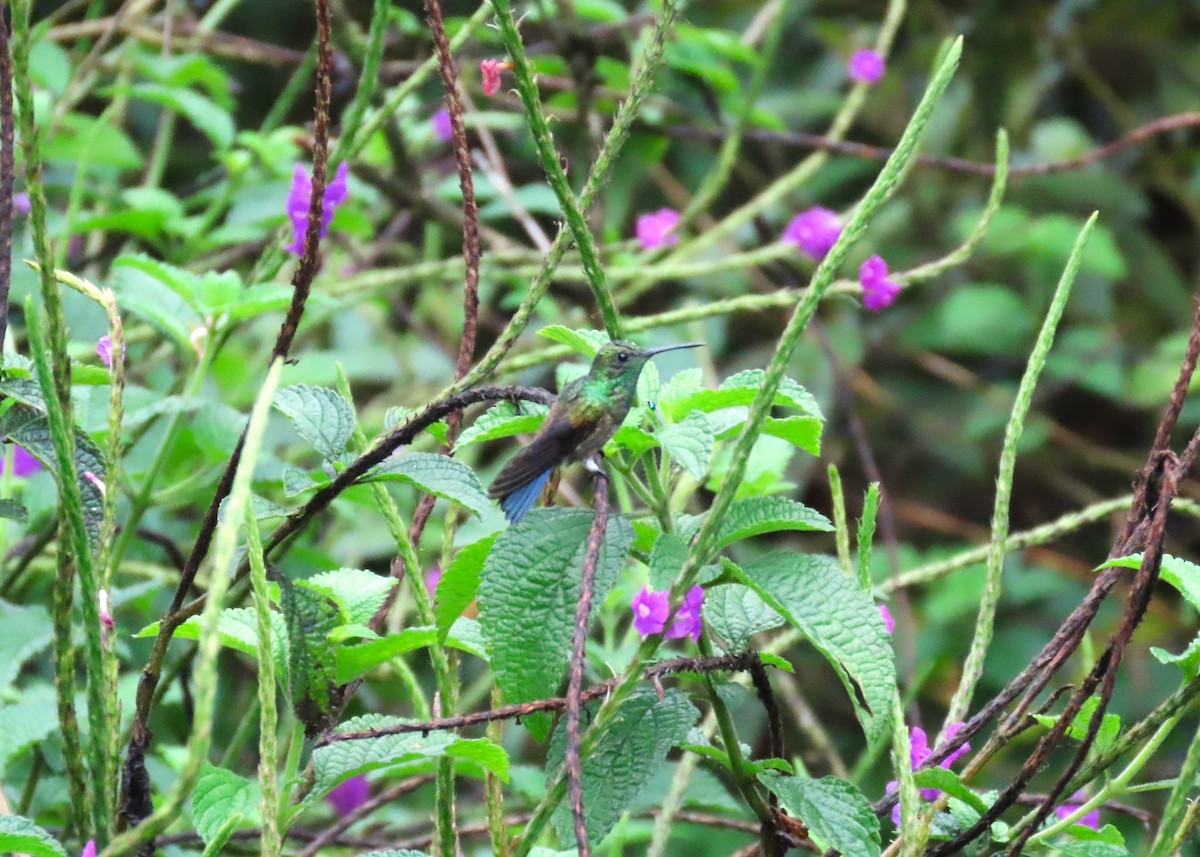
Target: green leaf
{"points": [[835, 812], [221, 797], [403, 852], [1110, 724], [1184, 576], [208, 117], [804, 432], [678, 401], [340, 760], [154, 293], [237, 628], [13, 510], [359, 659], [23, 724], [503, 420], [689, 442], [754, 516], [19, 835], [27, 630], [30, 428], [358, 593], [585, 342], [841, 620], [666, 560], [459, 581], [311, 616], [1188, 660], [737, 613], [527, 598], [626, 759], [943, 779], [435, 474], [320, 415]]}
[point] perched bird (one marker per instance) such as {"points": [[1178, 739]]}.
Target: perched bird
{"points": [[586, 414]]}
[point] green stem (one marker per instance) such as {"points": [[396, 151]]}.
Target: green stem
{"points": [[552, 165], [973, 666], [368, 81], [841, 526], [1173, 827], [866, 532], [268, 761]]}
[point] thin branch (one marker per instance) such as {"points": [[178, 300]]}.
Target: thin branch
{"points": [[7, 171], [583, 615]]}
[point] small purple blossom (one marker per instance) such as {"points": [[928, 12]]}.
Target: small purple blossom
{"points": [[23, 464], [89, 850], [442, 127], [657, 229], [104, 348], [107, 623], [432, 577], [919, 752], [349, 795], [21, 206], [888, 621], [336, 192], [878, 290], [1091, 819], [687, 618], [814, 231], [866, 66], [650, 610]]}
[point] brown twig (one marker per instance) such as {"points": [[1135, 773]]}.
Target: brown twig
{"points": [[331, 833], [1162, 125], [724, 663], [302, 283], [583, 613], [7, 171]]}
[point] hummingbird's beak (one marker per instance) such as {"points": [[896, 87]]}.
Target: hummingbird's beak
{"points": [[650, 352]]}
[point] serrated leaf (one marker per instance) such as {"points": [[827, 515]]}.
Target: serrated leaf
{"points": [[357, 592], [30, 428], [1184, 576], [221, 797], [27, 630], [835, 812], [483, 752], [237, 628], [736, 390], [1188, 660], [946, 780], [841, 620], [354, 661], [320, 415], [340, 760], [1110, 724], [13, 510], [585, 342], [737, 613], [527, 598], [435, 474], [503, 420], [804, 432], [689, 442], [310, 616], [754, 516], [458, 583], [666, 560], [19, 835], [297, 481], [626, 759]]}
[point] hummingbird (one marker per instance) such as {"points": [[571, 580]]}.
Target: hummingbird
{"points": [[586, 414]]}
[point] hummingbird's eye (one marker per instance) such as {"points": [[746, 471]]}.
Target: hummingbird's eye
{"points": [[623, 356]]}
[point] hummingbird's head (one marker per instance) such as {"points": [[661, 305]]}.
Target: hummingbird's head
{"points": [[622, 360]]}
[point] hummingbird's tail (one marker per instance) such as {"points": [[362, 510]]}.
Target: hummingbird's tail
{"points": [[521, 500]]}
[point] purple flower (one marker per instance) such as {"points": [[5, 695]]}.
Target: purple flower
{"points": [[878, 290], [336, 192], [888, 621], [104, 349], [442, 128], [814, 231], [657, 229], [919, 752], [1092, 819], [687, 618], [21, 206], [89, 850], [349, 795], [490, 69], [23, 465], [866, 66], [650, 610], [432, 577]]}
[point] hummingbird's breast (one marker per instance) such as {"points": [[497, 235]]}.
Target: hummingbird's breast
{"points": [[595, 439]]}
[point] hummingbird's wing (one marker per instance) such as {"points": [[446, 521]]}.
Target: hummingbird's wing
{"points": [[549, 447]]}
